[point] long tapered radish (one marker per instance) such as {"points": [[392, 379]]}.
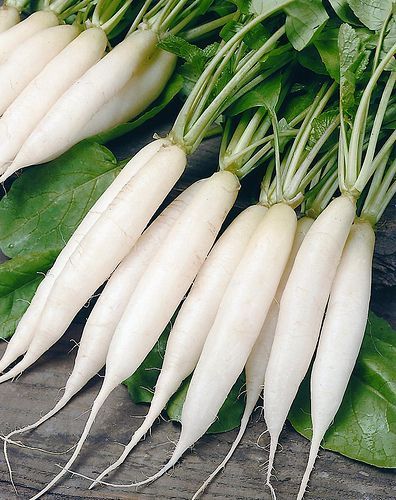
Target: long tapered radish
{"points": [[301, 313], [9, 17], [29, 59], [18, 34], [26, 328], [341, 335], [238, 322], [54, 135], [258, 358], [117, 230], [135, 97], [36, 99], [162, 287], [195, 318], [103, 320]]}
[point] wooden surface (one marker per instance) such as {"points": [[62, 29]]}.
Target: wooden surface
{"points": [[23, 401]]}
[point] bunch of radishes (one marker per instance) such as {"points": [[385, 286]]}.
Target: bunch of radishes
{"points": [[261, 296]]}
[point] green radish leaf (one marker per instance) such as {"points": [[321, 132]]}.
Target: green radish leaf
{"points": [[46, 203], [365, 426], [183, 49], [304, 19], [319, 126], [372, 13], [172, 89], [310, 59], [344, 12], [19, 278], [326, 44], [229, 416]]}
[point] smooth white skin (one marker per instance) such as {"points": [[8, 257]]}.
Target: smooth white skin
{"points": [[196, 317], [15, 36], [238, 322], [301, 313], [135, 97], [258, 358], [102, 248], [184, 250], [27, 326], [341, 336], [103, 320], [9, 17], [55, 134], [32, 104], [29, 59]]}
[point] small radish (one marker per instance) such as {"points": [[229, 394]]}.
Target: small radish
{"points": [[301, 312], [195, 318], [238, 323], [30, 58], [258, 359], [9, 17], [116, 230], [18, 34], [103, 320], [161, 289], [26, 328], [53, 135], [58, 75], [135, 97], [341, 335]]}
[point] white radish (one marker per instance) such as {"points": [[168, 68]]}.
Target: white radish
{"points": [[18, 34], [301, 313], [54, 134], [36, 99], [161, 289], [135, 97], [341, 336], [258, 359], [9, 17], [238, 322], [29, 59], [103, 320], [195, 318], [112, 235], [27, 326]]}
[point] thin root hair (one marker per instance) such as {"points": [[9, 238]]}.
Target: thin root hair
{"points": [[258, 440]]}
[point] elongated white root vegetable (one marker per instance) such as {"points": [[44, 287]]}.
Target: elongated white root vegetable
{"points": [[341, 336], [26, 328], [258, 359], [9, 17], [238, 322], [29, 59], [32, 104], [54, 135], [161, 289], [301, 313], [116, 230], [103, 320], [195, 318], [135, 97], [15, 36]]}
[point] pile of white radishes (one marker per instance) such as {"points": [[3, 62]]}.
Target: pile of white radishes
{"points": [[275, 291]]}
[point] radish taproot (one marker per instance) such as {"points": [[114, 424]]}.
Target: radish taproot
{"points": [[341, 335], [258, 358], [195, 319], [32, 104], [185, 249], [116, 230], [107, 312], [9, 17], [30, 58], [18, 34]]}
